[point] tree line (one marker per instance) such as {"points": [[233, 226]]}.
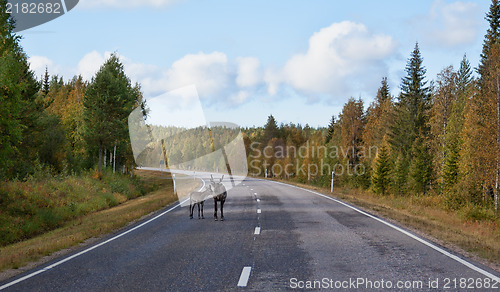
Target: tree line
{"points": [[56, 126], [436, 138]]}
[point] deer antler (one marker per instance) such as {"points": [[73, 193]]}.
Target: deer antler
{"points": [[221, 178]]}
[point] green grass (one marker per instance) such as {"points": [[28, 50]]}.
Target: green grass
{"points": [[34, 207], [86, 194]]}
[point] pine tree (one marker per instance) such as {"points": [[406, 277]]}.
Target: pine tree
{"points": [[492, 36], [270, 129], [381, 177], [331, 130], [411, 116], [46, 82], [415, 95]]}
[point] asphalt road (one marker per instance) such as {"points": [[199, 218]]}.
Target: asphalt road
{"points": [[275, 237]]}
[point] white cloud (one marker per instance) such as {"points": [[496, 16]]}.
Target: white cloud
{"points": [[248, 72], [209, 72], [126, 4], [239, 98], [90, 64], [343, 59], [38, 65], [452, 24]]}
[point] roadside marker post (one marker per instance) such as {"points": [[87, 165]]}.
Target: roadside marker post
{"points": [[333, 175], [173, 179]]}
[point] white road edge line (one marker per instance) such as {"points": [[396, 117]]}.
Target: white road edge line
{"points": [[93, 247], [444, 252], [245, 274], [257, 230]]}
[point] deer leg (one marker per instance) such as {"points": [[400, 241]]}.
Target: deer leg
{"points": [[199, 217], [202, 217], [215, 207], [222, 210], [191, 208]]}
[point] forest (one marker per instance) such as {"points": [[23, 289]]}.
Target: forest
{"points": [[437, 137], [434, 138]]}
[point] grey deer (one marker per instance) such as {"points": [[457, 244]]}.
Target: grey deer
{"points": [[219, 194], [197, 199]]}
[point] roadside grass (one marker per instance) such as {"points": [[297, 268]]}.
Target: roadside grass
{"points": [[95, 217], [470, 230], [35, 206]]}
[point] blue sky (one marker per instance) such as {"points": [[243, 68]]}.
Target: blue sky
{"points": [[297, 60]]}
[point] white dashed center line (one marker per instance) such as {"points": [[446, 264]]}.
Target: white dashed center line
{"points": [[257, 231], [245, 274], [259, 211]]}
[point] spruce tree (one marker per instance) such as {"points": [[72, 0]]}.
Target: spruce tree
{"points": [[415, 95], [411, 116], [331, 130], [492, 35], [46, 82], [270, 129], [381, 177], [383, 92]]}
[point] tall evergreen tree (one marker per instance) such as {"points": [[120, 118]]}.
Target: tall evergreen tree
{"points": [[492, 35], [331, 130], [411, 116], [270, 129], [46, 82], [412, 107]]}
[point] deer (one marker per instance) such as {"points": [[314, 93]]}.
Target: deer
{"points": [[219, 195], [197, 199]]}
